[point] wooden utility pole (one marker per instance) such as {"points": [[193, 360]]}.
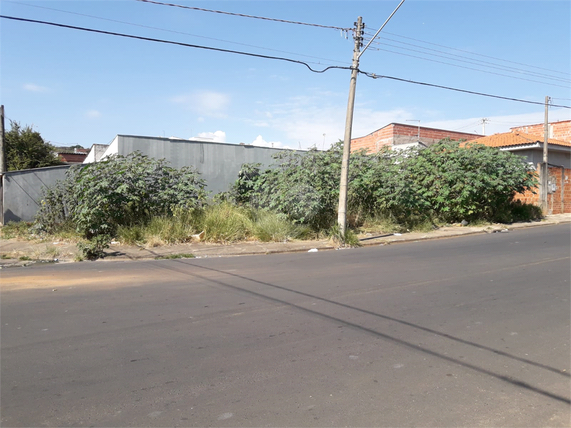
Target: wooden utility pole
{"points": [[342, 211], [544, 165], [3, 167]]}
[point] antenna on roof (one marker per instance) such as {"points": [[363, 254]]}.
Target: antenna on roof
{"points": [[416, 120], [484, 121]]}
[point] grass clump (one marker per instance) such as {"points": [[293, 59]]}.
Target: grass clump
{"points": [[380, 224], [349, 240], [19, 230], [270, 226], [222, 222], [162, 230], [226, 222], [175, 256]]}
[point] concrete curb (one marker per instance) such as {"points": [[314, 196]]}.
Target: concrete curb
{"points": [[126, 253]]}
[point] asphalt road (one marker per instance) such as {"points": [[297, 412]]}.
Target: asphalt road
{"points": [[470, 331]]}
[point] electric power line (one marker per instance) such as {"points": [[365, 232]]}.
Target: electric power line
{"points": [[378, 76], [470, 68], [170, 42], [371, 75], [468, 126], [179, 32], [474, 53], [470, 60], [247, 16]]}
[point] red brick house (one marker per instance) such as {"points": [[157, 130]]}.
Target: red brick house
{"points": [[557, 130], [530, 146], [398, 134], [71, 156]]}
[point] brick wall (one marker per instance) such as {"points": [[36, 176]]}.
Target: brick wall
{"points": [[72, 157], [557, 130], [556, 204], [397, 133], [373, 142]]}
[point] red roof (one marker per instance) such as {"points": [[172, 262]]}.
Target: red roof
{"points": [[510, 139]]}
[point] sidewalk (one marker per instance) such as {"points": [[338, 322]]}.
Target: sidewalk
{"points": [[24, 253]]}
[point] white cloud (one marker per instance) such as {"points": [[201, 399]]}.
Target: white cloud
{"points": [[208, 103], [318, 119], [497, 124], [93, 114], [35, 88], [216, 137], [260, 142]]}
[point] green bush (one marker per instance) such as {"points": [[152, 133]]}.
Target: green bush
{"points": [[131, 189], [467, 182], [94, 248], [516, 211], [302, 185], [414, 188], [120, 191]]}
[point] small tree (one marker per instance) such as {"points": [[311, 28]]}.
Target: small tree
{"points": [[26, 149]]}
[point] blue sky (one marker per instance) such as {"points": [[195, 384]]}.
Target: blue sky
{"points": [[81, 88]]}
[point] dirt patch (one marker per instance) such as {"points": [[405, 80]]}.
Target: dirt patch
{"points": [[65, 280]]}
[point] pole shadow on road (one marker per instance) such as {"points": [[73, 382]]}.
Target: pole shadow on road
{"points": [[504, 378]]}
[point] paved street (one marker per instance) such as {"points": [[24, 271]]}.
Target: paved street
{"points": [[469, 331]]}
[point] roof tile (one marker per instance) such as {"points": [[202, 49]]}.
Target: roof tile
{"points": [[509, 139]]}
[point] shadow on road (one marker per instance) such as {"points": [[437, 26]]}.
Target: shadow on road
{"points": [[508, 379]]}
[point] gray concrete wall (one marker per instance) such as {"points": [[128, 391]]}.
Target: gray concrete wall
{"points": [[218, 163], [535, 156], [22, 191]]}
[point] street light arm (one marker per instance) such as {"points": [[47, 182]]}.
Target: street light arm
{"points": [[380, 29]]}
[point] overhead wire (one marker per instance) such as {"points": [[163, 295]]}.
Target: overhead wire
{"points": [[470, 68], [150, 39], [179, 32], [470, 60], [380, 76], [368, 74], [474, 53], [468, 126], [246, 16]]}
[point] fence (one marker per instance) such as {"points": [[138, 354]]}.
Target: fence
{"points": [[21, 191]]}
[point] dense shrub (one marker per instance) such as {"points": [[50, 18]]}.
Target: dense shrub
{"points": [[131, 189], [142, 199], [468, 182], [302, 185], [447, 181], [122, 190]]}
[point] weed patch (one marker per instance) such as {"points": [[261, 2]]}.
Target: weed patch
{"points": [[175, 256], [19, 230]]}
